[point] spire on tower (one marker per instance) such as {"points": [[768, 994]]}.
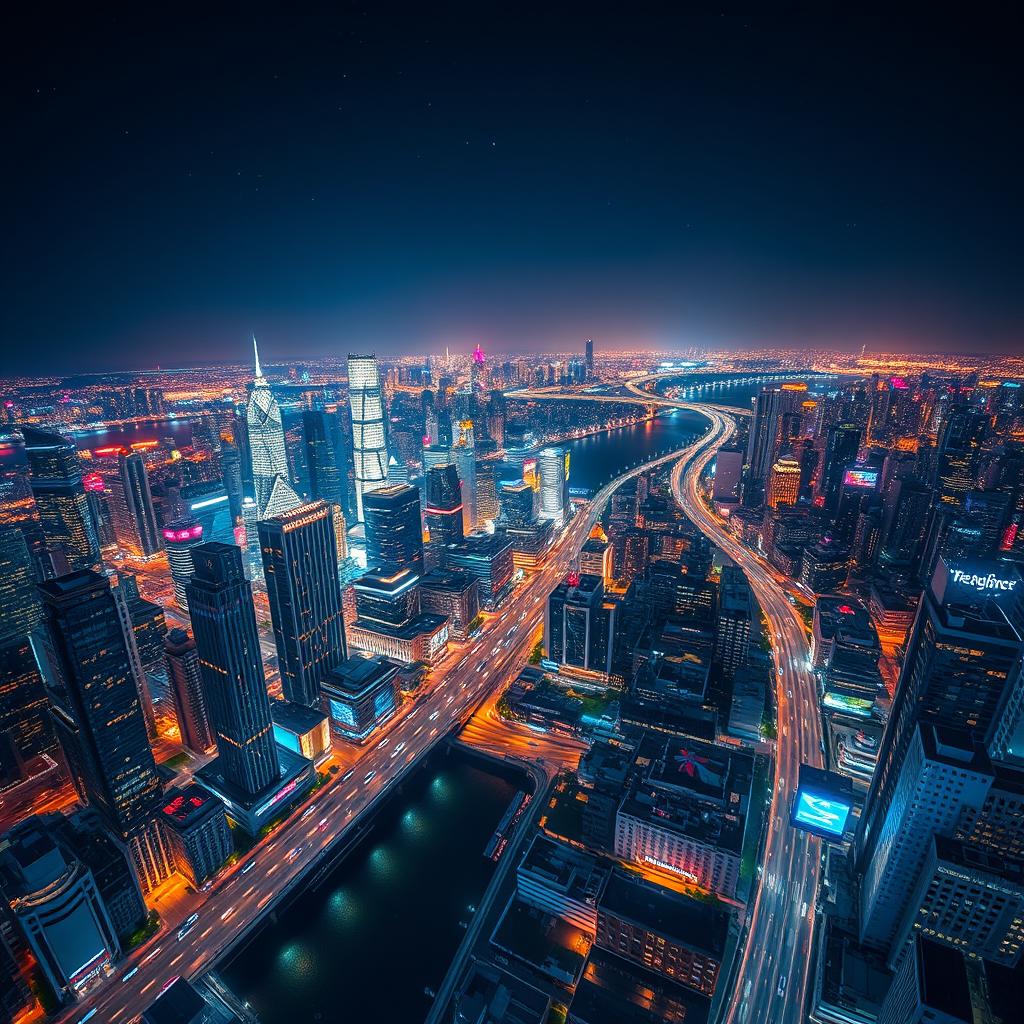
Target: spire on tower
{"points": [[256, 353]]}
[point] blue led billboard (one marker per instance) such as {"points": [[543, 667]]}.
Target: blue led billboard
{"points": [[822, 803]]}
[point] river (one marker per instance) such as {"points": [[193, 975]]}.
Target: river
{"points": [[386, 922]]}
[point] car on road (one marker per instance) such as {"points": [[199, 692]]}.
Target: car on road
{"points": [[348, 775], [294, 852], [130, 974], [433, 715], [369, 776], [398, 749], [190, 923], [248, 867], [782, 986], [308, 811], [383, 743]]}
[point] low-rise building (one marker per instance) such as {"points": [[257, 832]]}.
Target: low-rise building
{"points": [[301, 729], [453, 594], [360, 695], [562, 880]]}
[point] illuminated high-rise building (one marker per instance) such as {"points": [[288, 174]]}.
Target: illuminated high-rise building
{"points": [[224, 626], [553, 467], [369, 441], [765, 430], [327, 471], [266, 437], [231, 476], [134, 515], [394, 527], [55, 476], [842, 443], [477, 371], [590, 357], [464, 456], [300, 565], [442, 515], [98, 714], [186, 685], [180, 537], [784, 482]]}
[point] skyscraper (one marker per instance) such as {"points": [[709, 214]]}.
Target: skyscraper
{"points": [[186, 684], [765, 430], [327, 473], [231, 476], [180, 538], [369, 442], [580, 624], [553, 465], [55, 476], [442, 515], [135, 520], [464, 456], [960, 671], [590, 357], [266, 437], [300, 565], [224, 625], [784, 482], [98, 714], [394, 527], [841, 445]]}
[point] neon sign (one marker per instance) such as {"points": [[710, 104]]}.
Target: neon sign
{"points": [[982, 583], [860, 478]]}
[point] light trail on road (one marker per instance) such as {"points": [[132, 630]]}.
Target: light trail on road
{"points": [[776, 956]]}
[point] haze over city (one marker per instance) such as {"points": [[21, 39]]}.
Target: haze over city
{"points": [[511, 517]]}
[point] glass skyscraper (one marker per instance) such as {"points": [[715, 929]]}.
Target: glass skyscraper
{"points": [[224, 627], [97, 710], [266, 437], [300, 565], [55, 475], [369, 442], [394, 529]]}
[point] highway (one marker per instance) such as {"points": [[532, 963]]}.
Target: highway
{"points": [[252, 887], [772, 976]]}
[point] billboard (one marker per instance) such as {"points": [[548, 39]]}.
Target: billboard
{"points": [[822, 803], [847, 704], [866, 478]]}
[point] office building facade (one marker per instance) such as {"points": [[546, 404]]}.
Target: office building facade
{"points": [[369, 441], [394, 527]]}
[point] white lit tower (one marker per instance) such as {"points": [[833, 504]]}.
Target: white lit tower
{"points": [[266, 437], [369, 443]]}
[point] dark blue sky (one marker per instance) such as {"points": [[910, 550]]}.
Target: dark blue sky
{"points": [[515, 176]]}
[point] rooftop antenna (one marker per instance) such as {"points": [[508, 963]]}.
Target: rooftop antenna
{"points": [[256, 353]]}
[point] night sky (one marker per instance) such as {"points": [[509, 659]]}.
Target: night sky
{"points": [[401, 181]]}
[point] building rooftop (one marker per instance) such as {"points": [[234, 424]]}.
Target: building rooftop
{"points": [[695, 923], [421, 625], [294, 717], [490, 995], [451, 581], [614, 991], [184, 807], [389, 580], [942, 977], [577, 874], [358, 674], [835, 616]]}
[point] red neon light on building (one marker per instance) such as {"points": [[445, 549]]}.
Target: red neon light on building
{"points": [[573, 579], [92, 482], [189, 533], [478, 355]]}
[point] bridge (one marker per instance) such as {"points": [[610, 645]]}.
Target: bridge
{"points": [[633, 391]]}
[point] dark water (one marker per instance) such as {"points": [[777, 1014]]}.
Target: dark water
{"points": [[363, 946], [594, 460], [12, 453]]}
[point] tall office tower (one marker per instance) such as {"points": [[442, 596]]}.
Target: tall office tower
{"points": [[340, 532], [519, 504], [963, 433], [224, 626], [327, 475], [300, 565], [590, 357], [98, 714], [138, 531], [123, 596], [910, 502], [394, 527], [186, 683], [841, 445], [765, 430], [55, 476], [784, 482], [464, 454], [369, 442], [477, 371], [553, 466], [596, 559], [487, 505], [496, 417], [442, 514], [728, 471], [231, 477], [960, 671], [25, 727], [267, 453], [180, 537], [579, 624], [943, 775]]}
